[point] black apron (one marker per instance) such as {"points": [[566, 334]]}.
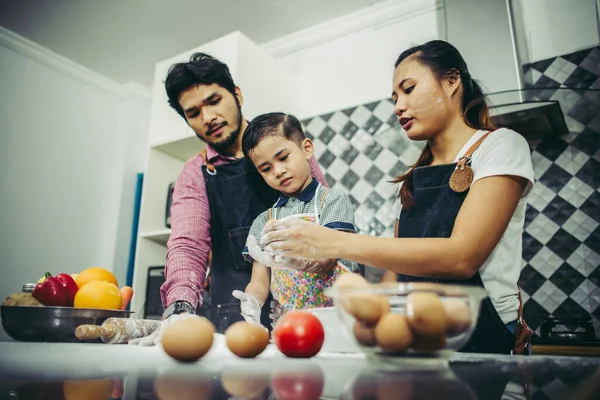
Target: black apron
{"points": [[237, 194], [432, 215]]}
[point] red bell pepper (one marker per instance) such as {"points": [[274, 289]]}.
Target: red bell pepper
{"points": [[68, 283], [51, 292]]}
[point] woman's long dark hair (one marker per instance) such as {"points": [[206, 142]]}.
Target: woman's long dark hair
{"points": [[445, 61]]}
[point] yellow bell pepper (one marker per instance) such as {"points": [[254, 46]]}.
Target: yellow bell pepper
{"points": [[43, 278]]}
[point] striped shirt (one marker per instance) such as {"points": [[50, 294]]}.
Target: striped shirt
{"points": [[190, 241]]}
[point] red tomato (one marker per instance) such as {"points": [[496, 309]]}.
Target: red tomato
{"points": [[298, 385], [299, 334]]}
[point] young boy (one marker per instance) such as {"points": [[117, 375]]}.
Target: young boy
{"points": [[276, 145]]}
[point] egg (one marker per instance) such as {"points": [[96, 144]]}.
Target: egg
{"points": [[246, 340], [426, 314], [180, 388], [366, 308], [189, 339], [458, 315], [350, 280], [393, 333], [384, 304], [429, 343], [364, 334], [383, 386], [243, 384]]}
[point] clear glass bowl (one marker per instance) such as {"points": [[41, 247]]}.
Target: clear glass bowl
{"points": [[417, 303]]}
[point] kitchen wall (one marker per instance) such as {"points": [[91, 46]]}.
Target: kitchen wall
{"points": [[561, 257], [555, 27], [350, 60], [71, 143]]}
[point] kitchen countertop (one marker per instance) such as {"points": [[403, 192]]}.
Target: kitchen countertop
{"points": [[57, 371]]}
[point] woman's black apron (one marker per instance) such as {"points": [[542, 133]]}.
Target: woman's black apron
{"points": [[432, 216]]}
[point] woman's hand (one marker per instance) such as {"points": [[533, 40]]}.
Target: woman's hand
{"points": [[296, 238], [277, 260]]}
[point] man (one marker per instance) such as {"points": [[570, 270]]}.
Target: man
{"points": [[217, 196]]}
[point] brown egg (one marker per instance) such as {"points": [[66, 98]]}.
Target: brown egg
{"points": [[350, 280], [426, 314], [97, 389], [458, 315], [383, 303], [429, 343], [246, 340], [393, 333], [244, 384], [189, 339], [179, 388], [382, 386], [364, 334], [366, 308]]}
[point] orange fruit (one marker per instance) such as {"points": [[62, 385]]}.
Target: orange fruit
{"points": [[95, 274], [98, 294], [87, 390]]}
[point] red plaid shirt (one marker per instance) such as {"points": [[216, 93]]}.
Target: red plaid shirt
{"points": [[190, 241]]}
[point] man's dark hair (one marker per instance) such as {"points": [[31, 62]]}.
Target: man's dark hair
{"points": [[272, 124], [202, 69]]}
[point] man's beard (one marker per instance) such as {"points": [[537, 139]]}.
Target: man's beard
{"points": [[224, 144]]}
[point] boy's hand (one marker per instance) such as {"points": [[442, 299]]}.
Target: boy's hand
{"points": [[258, 254], [249, 306], [311, 266], [278, 261]]}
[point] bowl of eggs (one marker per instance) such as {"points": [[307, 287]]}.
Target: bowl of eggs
{"points": [[406, 323]]}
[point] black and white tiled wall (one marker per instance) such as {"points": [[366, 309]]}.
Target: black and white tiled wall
{"points": [[362, 148], [561, 243]]}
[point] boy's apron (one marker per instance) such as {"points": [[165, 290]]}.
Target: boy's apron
{"points": [[237, 194], [433, 214], [296, 290]]}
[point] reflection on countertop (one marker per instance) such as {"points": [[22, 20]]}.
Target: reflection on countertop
{"points": [[98, 371]]}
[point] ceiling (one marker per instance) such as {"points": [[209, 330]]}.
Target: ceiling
{"points": [[123, 39]]}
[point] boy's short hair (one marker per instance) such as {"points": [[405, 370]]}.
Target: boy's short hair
{"points": [[272, 124]]}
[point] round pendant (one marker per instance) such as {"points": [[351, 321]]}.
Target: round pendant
{"points": [[461, 179]]}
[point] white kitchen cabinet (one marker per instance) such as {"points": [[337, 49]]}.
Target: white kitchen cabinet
{"points": [[266, 84]]}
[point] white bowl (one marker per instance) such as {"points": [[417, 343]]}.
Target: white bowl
{"points": [[336, 340]]}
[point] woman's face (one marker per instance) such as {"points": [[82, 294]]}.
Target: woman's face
{"points": [[423, 105]]}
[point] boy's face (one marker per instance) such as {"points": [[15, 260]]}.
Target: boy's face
{"points": [[283, 164], [213, 113]]}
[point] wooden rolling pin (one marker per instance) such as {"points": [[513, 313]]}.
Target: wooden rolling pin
{"points": [[117, 330]]}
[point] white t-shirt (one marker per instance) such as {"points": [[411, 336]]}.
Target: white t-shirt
{"points": [[503, 152]]}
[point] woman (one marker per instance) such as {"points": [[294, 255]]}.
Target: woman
{"points": [[452, 227]]}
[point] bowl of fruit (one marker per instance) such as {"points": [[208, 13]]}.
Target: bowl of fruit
{"points": [[52, 309], [404, 323]]}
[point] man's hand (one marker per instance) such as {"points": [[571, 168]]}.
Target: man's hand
{"points": [[155, 337], [249, 306]]}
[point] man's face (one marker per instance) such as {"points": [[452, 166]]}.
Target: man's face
{"points": [[213, 113]]}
